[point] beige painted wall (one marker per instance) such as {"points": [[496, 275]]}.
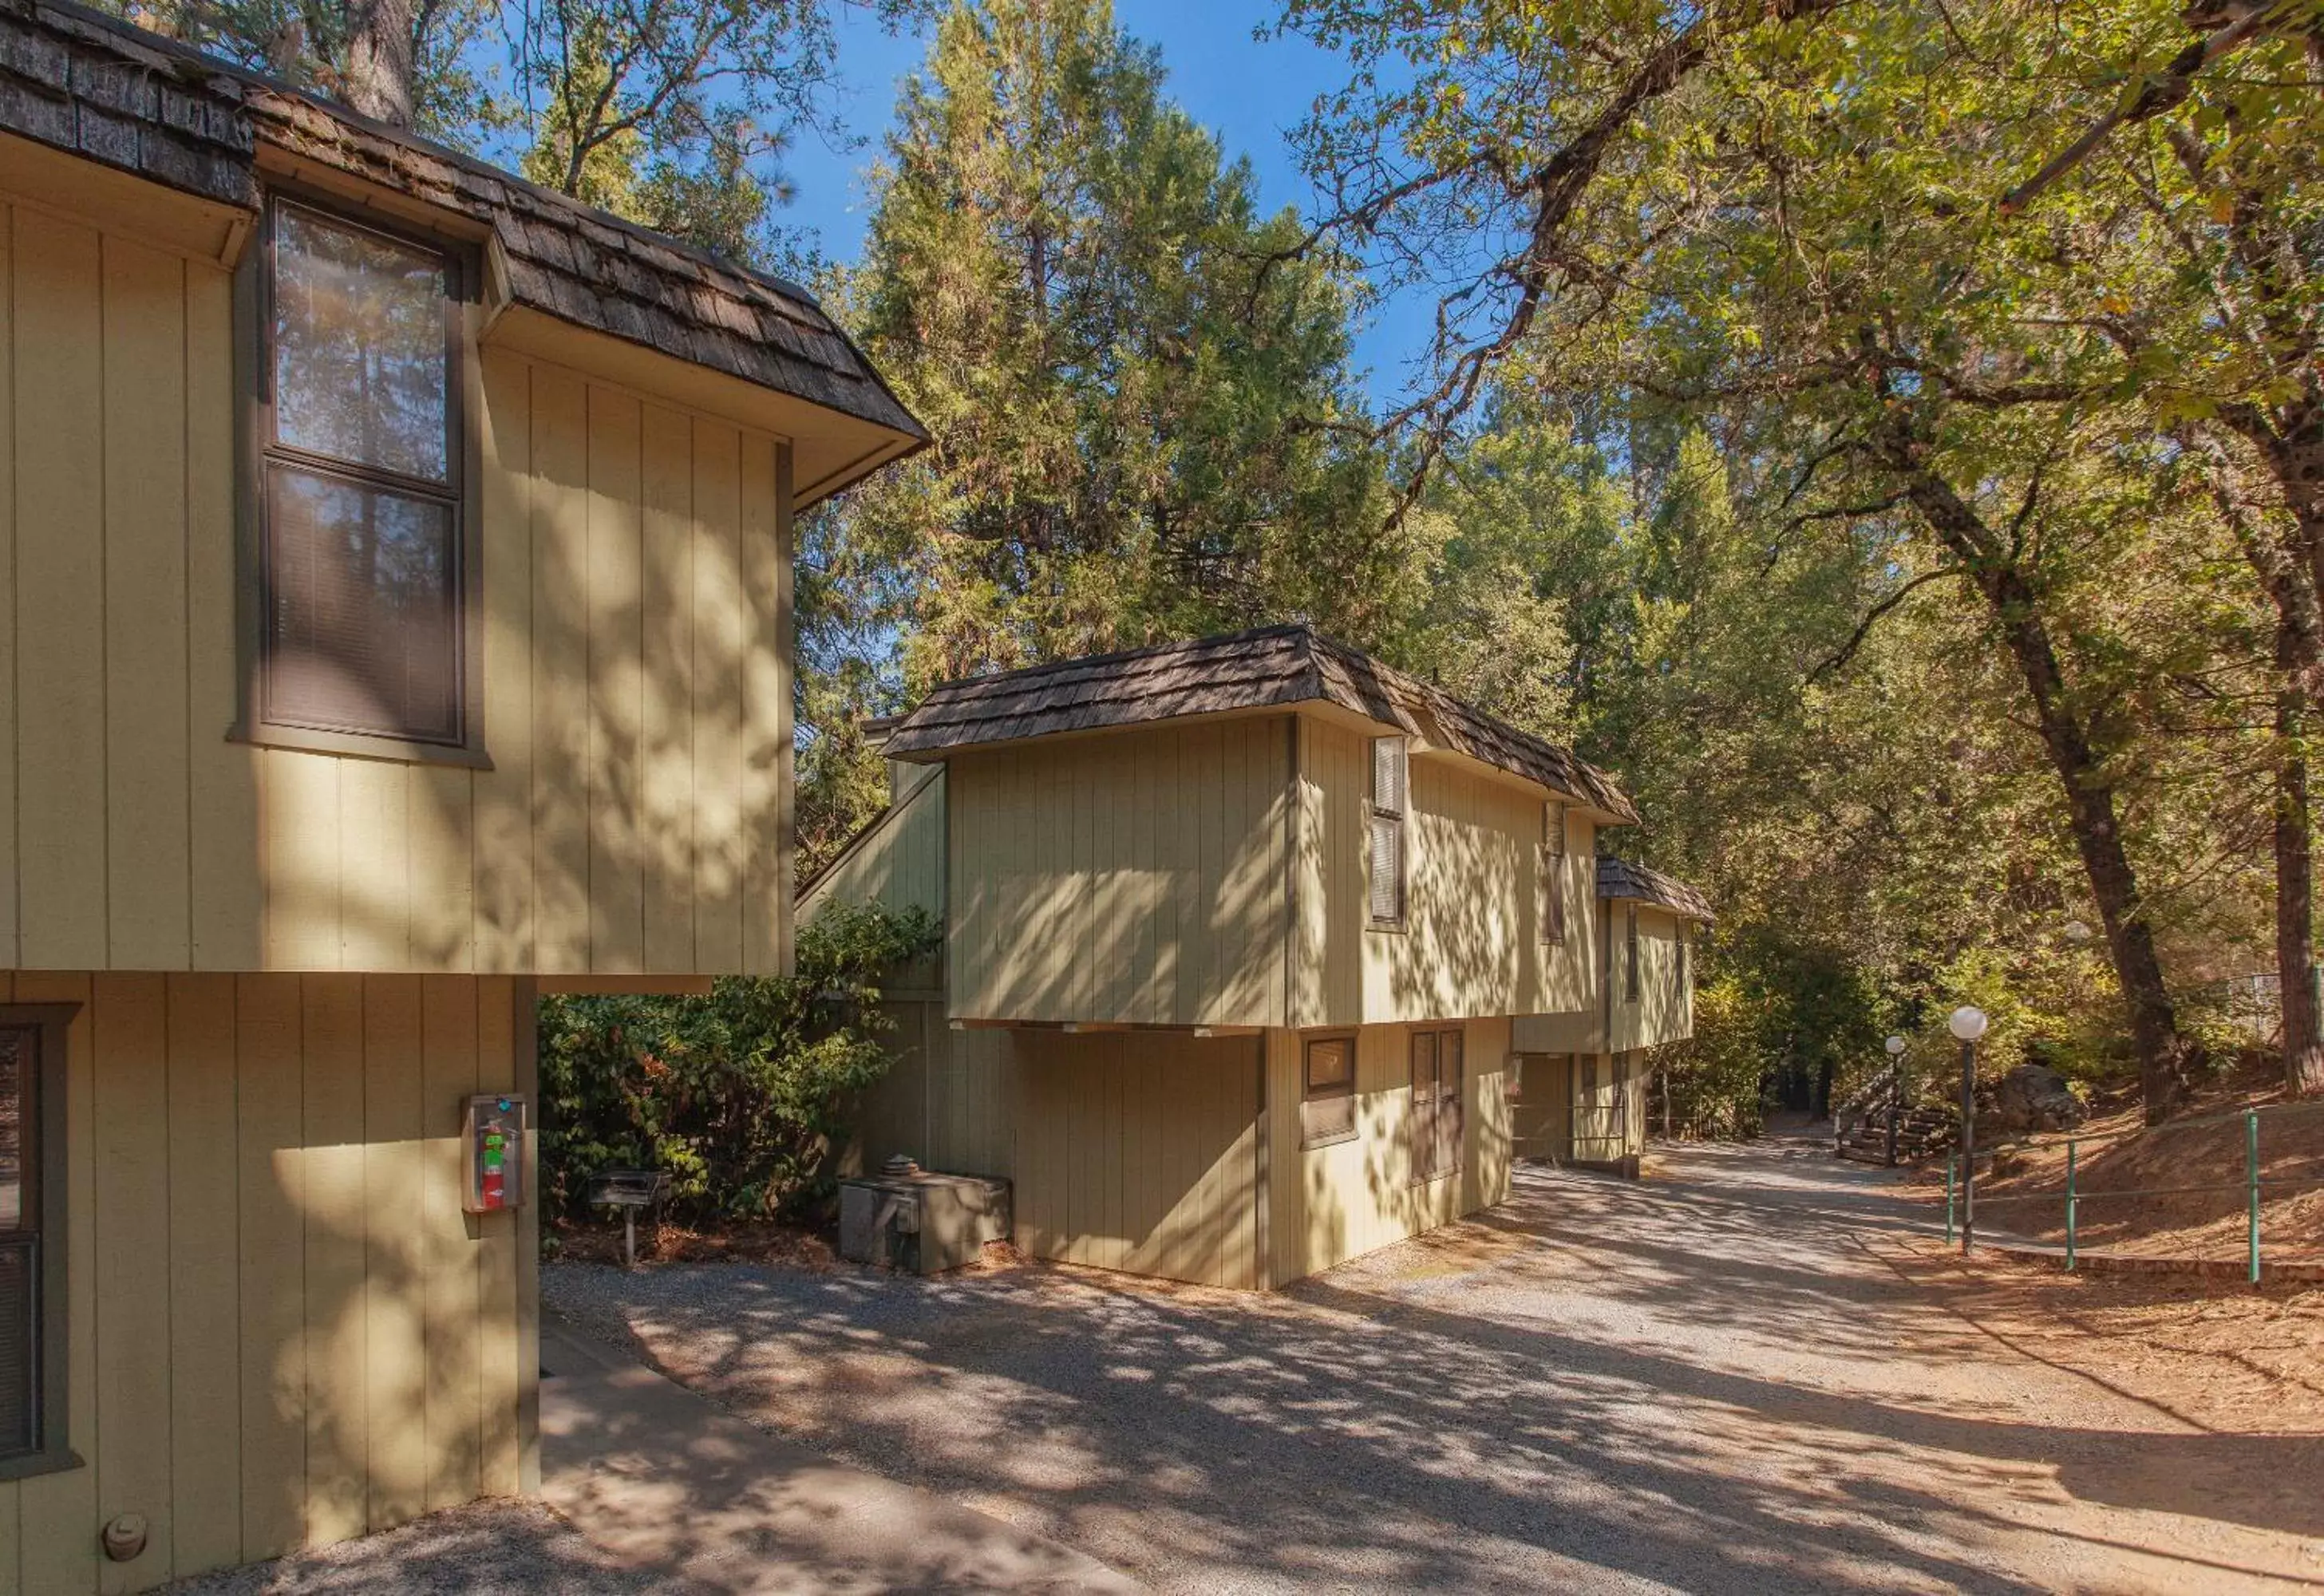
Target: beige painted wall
{"points": [[284, 1331], [1541, 1115], [1663, 1009], [1471, 944], [1330, 1203], [897, 861], [947, 1100], [1139, 1150], [1610, 1106], [636, 693], [1130, 876]]}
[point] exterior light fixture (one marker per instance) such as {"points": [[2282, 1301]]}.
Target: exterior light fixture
{"points": [[1968, 1023], [1896, 1046]]}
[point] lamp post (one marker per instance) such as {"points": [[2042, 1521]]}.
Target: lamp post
{"points": [[1968, 1024], [1896, 1046]]}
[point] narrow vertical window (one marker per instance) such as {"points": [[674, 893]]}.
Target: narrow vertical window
{"points": [[32, 1244], [1631, 948], [363, 580], [1388, 802], [1685, 935], [1438, 1120], [1552, 873]]}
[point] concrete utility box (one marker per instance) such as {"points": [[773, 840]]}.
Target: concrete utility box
{"points": [[922, 1222]]}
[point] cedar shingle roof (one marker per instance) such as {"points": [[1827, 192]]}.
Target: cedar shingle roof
{"points": [[1275, 665], [1619, 879], [86, 83]]}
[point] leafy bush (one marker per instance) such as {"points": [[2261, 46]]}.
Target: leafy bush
{"points": [[739, 1096], [1715, 1081]]}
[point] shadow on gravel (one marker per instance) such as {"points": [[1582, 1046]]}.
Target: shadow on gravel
{"points": [[1600, 1379]]}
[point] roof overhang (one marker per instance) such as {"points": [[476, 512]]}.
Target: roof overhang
{"points": [[829, 449]]}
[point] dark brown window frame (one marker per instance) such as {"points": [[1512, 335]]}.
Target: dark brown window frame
{"points": [[1552, 907], [1309, 1136], [1425, 1171], [45, 1187], [1630, 935], [254, 312], [1403, 835]]}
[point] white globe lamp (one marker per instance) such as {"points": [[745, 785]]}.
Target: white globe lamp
{"points": [[1967, 1023]]}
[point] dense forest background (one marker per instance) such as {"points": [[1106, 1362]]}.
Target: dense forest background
{"points": [[1888, 437]]}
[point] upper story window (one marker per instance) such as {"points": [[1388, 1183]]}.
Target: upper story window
{"points": [[1390, 799], [1630, 944], [1552, 873], [364, 567], [1685, 936]]}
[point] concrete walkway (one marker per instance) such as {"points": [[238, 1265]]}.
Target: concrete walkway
{"points": [[672, 1488]]}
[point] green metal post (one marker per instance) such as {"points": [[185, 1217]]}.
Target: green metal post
{"points": [[2069, 1207], [2251, 1183], [1950, 1163]]}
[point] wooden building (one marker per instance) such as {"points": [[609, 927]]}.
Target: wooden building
{"points": [[1581, 1095], [1240, 937], [394, 606]]}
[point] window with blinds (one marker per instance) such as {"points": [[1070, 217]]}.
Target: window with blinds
{"points": [[1327, 1102], [1552, 873], [1390, 798], [1437, 1104], [363, 561]]}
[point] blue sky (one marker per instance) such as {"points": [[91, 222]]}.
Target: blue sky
{"points": [[1249, 92]]}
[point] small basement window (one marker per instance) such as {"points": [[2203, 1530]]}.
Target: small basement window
{"points": [[33, 1294], [364, 572], [1327, 1099], [1389, 799]]}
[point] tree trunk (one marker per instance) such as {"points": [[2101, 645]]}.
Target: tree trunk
{"points": [[2162, 1053], [2289, 568], [2295, 878], [381, 65]]}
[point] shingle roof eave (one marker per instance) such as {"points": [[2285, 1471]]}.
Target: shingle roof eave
{"points": [[1265, 668], [98, 87], [1619, 879]]}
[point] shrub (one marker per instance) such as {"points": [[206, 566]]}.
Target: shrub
{"points": [[738, 1095]]}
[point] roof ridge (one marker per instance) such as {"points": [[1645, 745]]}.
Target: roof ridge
{"points": [[1117, 656]]}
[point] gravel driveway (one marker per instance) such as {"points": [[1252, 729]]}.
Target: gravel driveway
{"points": [[1710, 1381]]}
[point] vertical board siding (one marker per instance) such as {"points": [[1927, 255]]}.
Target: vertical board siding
{"points": [[60, 591], [636, 693], [1135, 877], [897, 861], [1329, 1204], [279, 1314], [1139, 1151], [1663, 1010]]}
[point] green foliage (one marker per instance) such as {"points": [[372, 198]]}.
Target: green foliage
{"points": [[1143, 421], [1715, 1081], [740, 1095]]}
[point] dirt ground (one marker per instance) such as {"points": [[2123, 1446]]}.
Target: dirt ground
{"points": [[2214, 1353], [1754, 1370], [2133, 1188]]}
